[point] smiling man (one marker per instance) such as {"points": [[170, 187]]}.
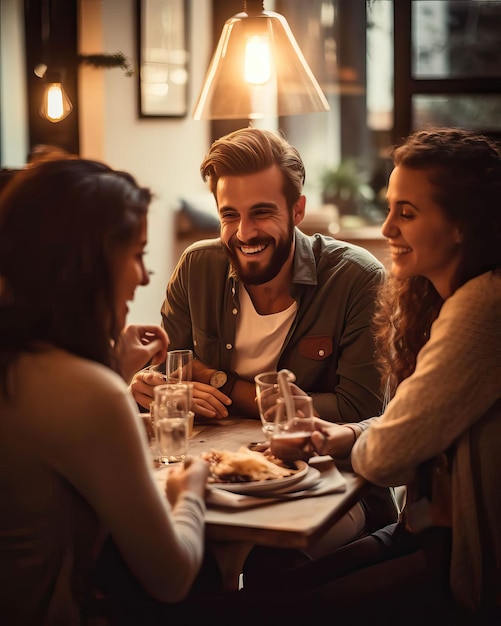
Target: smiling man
{"points": [[265, 296]]}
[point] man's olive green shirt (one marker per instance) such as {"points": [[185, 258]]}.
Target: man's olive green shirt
{"points": [[329, 346]]}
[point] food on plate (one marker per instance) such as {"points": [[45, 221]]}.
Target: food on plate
{"points": [[244, 466]]}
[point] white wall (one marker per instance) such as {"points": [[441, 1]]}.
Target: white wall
{"points": [[163, 154], [13, 121]]}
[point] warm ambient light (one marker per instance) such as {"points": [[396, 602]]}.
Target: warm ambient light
{"points": [[55, 102], [258, 61], [56, 105], [258, 70]]}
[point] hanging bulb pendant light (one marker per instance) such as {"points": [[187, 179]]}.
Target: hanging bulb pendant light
{"points": [[56, 104], [258, 70]]}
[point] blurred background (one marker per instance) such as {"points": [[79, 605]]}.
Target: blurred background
{"points": [[386, 67]]}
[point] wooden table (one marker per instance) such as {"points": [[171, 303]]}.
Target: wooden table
{"points": [[232, 533]]}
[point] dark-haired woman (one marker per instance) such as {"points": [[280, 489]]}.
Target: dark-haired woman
{"points": [[74, 466]]}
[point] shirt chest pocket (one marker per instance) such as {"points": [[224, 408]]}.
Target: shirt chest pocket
{"points": [[316, 348], [207, 348]]}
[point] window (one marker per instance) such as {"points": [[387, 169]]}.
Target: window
{"points": [[387, 68], [448, 71], [349, 48]]}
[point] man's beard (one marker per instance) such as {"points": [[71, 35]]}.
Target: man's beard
{"points": [[253, 273]]}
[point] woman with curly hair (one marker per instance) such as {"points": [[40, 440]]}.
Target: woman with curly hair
{"points": [[438, 337]]}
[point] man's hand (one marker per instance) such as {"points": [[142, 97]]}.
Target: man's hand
{"points": [[207, 401], [202, 372], [138, 345]]}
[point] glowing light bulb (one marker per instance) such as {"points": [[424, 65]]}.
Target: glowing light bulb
{"points": [[55, 103], [55, 109], [257, 60]]}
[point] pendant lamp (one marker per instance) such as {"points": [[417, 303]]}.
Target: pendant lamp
{"points": [[258, 70], [56, 104]]}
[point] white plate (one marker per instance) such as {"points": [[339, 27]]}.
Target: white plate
{"points": [[265, 486]]}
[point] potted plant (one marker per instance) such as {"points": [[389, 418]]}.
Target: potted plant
{"points": [[342, 186]]}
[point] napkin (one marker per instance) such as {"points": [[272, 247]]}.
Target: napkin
{"points": [[322, 477]]}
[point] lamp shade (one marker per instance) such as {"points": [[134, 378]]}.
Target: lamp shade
{"points": [[258, 70]]}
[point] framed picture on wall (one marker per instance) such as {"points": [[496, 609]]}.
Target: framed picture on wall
{"points": [[163, 57]]}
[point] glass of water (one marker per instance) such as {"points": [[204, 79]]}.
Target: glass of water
{"points": [[179, 366], [267, 394], [171, 418]]}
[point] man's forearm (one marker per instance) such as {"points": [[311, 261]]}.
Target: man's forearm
{"points": [[242, 392]]}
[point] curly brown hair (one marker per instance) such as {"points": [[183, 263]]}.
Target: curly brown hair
{"points": [[465, 171]]}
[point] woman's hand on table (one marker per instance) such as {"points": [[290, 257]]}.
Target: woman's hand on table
{"points": [[335, 440], [191, 475], [139, 345]]}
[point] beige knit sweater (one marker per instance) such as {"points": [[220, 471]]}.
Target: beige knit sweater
{"points": [[453, 397]]}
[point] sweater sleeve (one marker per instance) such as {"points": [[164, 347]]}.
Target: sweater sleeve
{"points": [[102, 452], [456, 380], [189, 519]]}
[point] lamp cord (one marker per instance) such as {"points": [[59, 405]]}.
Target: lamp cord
{"points": [[253, 7], [45, 31]]}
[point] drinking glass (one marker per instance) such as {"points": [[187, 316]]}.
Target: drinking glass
{"points": [[267, 393], [171, 416], [179, 366], [293, 427], [149, 427]]}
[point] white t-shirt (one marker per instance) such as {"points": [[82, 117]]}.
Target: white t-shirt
{"points": [[259, 338]]}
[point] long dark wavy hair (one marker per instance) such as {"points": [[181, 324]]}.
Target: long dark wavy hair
{"points": [[62, 225], [465, 171]]}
